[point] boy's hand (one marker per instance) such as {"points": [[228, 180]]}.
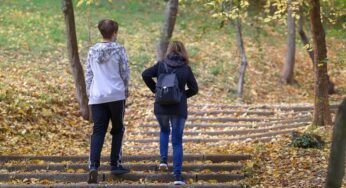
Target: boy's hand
{"points": [[127, 93]]}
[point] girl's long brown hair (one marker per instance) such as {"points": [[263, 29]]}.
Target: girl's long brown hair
{"points": [[178, 48]]}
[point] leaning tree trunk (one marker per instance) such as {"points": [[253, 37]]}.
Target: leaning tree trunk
{"points": [[243, 65], [77, 70], [240, 45], [304, 38], [336, 166], [288, 71], [306, 42], [167, 27], [321, 109]]}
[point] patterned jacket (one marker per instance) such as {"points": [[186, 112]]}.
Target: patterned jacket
{"points": [[107, 73]]}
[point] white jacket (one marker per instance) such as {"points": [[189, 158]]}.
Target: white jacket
{"points": [[107, 73]]}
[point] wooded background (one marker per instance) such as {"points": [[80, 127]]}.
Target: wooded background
{"points": [[241, 51]]}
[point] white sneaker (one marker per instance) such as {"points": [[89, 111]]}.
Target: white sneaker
{"points": [[179, 183], [163, 166]]}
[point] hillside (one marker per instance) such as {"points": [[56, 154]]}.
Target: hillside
{"points": [[37, 95]]}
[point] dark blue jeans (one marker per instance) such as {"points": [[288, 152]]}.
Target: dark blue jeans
{"points": [[177, 123], [101, 114]]}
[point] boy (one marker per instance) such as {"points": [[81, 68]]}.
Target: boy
{"points": [[107, 76]]}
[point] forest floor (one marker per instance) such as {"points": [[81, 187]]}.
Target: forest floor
{"points": [[37, 96]]}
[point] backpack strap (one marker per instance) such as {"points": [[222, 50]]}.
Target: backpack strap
{"points": [[173, 70], [166, 68], [159, 69]]}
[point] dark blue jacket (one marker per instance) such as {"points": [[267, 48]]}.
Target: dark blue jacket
{"points": [[185, 78]]}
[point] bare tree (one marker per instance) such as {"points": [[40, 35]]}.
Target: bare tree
{"points": [[77, 69], [321, 109], [303, 37], [243, 59], [305, 40], [336, 166], [237, 23], [167, 27], [288, 70]]}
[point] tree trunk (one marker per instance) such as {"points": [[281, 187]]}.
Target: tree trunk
{"points": [[77, 70], [288, 71], [243, 65], [167, 27], [304, 38], [336, 166], [240, 44], [321, 109], [310, 51]]}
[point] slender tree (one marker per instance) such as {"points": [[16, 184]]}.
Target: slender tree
{"points": [[233, 15], [321, 109], [72, 49], [305, 40], [242, 54], [303, 37], [167, 27], [336, 166], [288, 70]]}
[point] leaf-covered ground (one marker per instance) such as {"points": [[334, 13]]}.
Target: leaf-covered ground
{"points": [[39, 114], [277, 164]]}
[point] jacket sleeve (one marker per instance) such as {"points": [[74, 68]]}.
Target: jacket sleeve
{"points": [[148, 76], [89, 75], [124, 70], [191, 85]]}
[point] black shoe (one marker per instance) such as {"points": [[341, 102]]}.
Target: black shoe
{"points": [[163, 165], [117, 170], [93, 176], [179, 181]]}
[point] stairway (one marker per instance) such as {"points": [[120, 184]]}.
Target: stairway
{"points": [[207, 126]]}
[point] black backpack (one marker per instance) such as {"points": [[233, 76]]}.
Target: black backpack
{"points": [[167, 87]]}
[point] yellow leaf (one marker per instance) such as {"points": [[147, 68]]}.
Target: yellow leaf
{"points": [[250, 164], [80, 2], [80, 170], [89, 2], [70, 170], [45, 182], [37, 161], [212, 181], [266, 20]]}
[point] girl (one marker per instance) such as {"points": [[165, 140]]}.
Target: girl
{"points": [[173, 115]]}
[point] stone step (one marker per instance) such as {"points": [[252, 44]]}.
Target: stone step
{"points": [[133, 167], [228, 112], [282, 107], [254, 124], [127, 158], [143, 185], [82, 177], [155, 145], [198, 140], [224, 119], [188, 132]]}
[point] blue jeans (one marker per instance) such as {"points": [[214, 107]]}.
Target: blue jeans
{"points": [[177, 124], [101, 114]]}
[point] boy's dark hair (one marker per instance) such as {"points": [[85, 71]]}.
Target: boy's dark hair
{"points": [[107, 28]]}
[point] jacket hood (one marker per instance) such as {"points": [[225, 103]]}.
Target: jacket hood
{"points": [[103, 51], [175, 60]]}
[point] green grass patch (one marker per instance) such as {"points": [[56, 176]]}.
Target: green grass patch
{"points": [[34, 30]]}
